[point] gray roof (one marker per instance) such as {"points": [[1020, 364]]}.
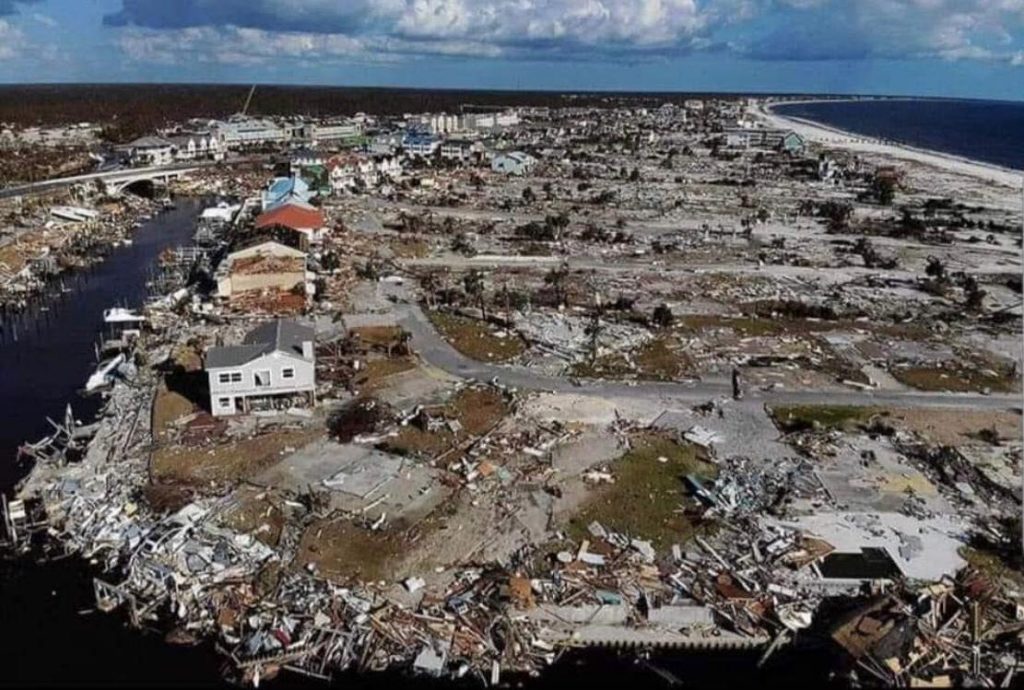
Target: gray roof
{"points": [[149, 143], [280, 335]]}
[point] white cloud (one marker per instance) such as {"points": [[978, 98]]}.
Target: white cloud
{"points": [[376, 30], [12, 41], [43, 19]]}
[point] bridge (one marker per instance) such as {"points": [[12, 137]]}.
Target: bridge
{"points": [[120, 180], [113, 181]]}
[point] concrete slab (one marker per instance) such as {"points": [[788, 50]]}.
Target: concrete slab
{"points": [[927, 550]]}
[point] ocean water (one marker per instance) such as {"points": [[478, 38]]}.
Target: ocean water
{"points": [[989, 131]]}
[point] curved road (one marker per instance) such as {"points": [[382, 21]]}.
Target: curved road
{"points": [[438, 353]]}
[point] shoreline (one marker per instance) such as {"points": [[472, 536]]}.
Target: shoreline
{"points": [[828, 135]]}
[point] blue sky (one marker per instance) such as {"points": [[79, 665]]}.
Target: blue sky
{"points": [[969, 48]]}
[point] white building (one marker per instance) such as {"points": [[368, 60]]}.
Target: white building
{"points": [[275, 364], [477, 121], [196, 146], [514, 163], [239, 132], [335, 131], [384, 144], [348, 172], [151, 151], [418, 144], [461, 149], [306, 157]]}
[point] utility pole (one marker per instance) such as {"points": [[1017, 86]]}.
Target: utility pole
{"points": [[1022, 374], [245, 108]]}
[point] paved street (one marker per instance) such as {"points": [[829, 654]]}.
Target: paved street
{"points": [[437, 352]]}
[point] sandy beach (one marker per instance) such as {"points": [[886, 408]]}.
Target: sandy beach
{"points": [[830, 136]]}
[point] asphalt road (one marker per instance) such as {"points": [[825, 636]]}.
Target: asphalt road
{"points": [[437, 352]]}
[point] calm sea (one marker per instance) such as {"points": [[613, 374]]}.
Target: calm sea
{"points": [[989, 131]]}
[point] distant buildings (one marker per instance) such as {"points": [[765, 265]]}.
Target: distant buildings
{"points": [[445, 123], [514, 163], [420, 144], [461, 149], [274, 365], [784, 140], [151, 151], [351, 171], [306, 156], [196, 145], [241, 132], [347, 132]]}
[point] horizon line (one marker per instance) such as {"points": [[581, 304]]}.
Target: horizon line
{"points": [[519, 90]]}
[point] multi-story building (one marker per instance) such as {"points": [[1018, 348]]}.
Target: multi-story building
{"points": [[239, 132]]}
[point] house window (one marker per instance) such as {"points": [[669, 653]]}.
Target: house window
{"points": [[236, 377], [262, 378], [230, 377], [224, 378], [288, 373], [224, 402]]}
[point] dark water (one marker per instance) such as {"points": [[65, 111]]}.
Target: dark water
{"points": [[989, 131], [45, 356]]}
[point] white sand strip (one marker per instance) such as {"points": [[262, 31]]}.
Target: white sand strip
{"points": [[829, 136]]}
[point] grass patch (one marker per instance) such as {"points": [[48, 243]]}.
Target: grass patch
{"points": [[409, 248], [344, 551], [958, 379], [647, 497], [169, 407], [229, 462], [753, 326], [475, 339], [382, 337], [476, 409], [656, 360], [992, 565], [791, 418], [377, 371]]}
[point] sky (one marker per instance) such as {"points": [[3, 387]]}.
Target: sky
{"points": [[957, 48]]}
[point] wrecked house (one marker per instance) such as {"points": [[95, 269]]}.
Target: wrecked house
{"points": [[265, 266]]}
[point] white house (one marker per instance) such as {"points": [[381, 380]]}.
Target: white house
{"points": [[514, 163], [419, 144], [461, 149], [195, 146], [275, 364], [152, 151], [384, 144], [348, 171]]}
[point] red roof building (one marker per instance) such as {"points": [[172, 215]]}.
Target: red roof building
{"points": [[292, 216], [307, 221]]}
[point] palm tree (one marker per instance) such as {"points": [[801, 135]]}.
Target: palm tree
{"points": [[430, 284], [556, 278], [473, 282]]}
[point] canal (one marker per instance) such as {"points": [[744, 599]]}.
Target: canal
{"points": [[46, 353]]}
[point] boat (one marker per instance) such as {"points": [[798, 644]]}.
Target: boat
{"points": [[122, 315], [76, 214], [104, 374]]}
